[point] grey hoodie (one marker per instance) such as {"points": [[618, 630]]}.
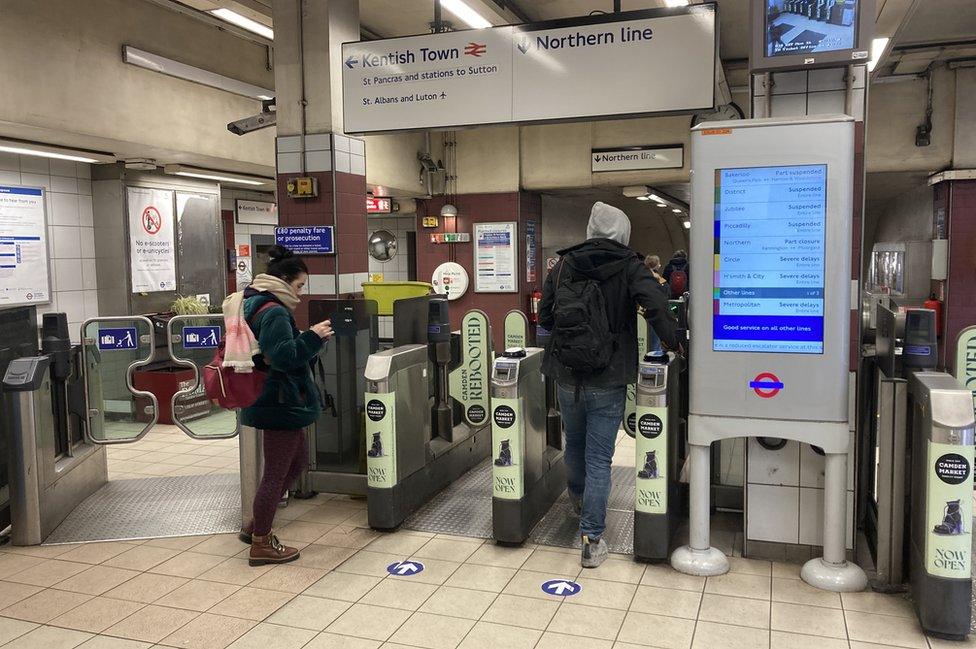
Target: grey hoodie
{"points": [[608, 222]]}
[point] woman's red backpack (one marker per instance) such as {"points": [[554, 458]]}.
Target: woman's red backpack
{"points": [[227, 388]]}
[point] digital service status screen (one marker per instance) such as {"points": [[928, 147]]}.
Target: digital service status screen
{"points": [[770, 237]]}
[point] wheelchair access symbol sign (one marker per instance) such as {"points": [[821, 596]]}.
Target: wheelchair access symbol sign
{"points": [[201, 337], [117, 338], [766, 385]]}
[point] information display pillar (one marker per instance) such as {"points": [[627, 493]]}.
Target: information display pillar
{"points": [[772, 203]]}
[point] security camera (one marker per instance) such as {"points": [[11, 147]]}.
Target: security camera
{"points": [[267, 117]]}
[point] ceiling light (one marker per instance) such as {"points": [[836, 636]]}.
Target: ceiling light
{"points": [[468, 15], [676, 3], [56, 152], [449, 211], [687, 225], [179, 70], [662, 204], [219, 176], [643, 198], [676, 211], [244, 22], [878, 46]]}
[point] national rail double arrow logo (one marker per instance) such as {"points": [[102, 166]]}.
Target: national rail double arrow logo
{"points": [[766, 385], [475, 49]]}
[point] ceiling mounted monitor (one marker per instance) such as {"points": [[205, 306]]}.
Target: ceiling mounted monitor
{"points": [[799, 34]]}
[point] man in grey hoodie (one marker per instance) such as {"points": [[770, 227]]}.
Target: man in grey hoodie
{"points": [[592, 405]]}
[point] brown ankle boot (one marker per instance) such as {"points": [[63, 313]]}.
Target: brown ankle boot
{"points": [[246, 532], [267, 549]]}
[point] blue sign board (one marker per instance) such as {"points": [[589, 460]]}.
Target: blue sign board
{"points": [[118, 338], [306, 239], [561, 587], [201, 337], [405, 568]]}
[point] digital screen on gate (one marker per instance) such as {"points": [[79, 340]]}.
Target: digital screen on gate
{"points": [[770, 236], [810, 26]]}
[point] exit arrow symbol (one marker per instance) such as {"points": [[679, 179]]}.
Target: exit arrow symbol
{"points": [[561, 587], [351, 61], [405, 568]]}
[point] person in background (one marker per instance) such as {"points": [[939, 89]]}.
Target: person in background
{"points": [[676, 274], [588, 304], [290, 400], [653, 263]]}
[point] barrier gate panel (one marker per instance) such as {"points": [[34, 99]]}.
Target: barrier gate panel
{"points": [[112, 349]]}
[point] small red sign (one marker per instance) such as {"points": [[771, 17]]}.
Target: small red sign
{"points": [[378, 205], [152, 222], [766, 385]]}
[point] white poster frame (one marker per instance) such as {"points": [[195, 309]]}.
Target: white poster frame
{"points": [[46, 248], [511, 227], [170, 204]]}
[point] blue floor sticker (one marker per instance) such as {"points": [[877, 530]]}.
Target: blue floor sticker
{"points": [[561, 587], [405, 568]]}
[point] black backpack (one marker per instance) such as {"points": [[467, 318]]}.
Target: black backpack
{"points": [[581, 336]]}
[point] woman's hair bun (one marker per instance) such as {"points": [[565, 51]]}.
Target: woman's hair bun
{"points": [[276, 253]]}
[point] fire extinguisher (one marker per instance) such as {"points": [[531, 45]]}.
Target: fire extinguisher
{"points": [[534, 299], [936, 306]]}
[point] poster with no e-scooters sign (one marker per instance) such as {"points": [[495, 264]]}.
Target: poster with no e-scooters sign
{"points": [[152, 248]]}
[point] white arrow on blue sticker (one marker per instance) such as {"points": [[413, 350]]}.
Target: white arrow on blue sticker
{"points": [[405, 568], [561, 587]]}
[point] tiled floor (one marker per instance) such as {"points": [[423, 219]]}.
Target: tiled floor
{"points": [[167, 451]]}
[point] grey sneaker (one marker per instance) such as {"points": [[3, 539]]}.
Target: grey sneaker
{"points": [[595, 552]]}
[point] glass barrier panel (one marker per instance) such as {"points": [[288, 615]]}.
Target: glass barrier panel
{"points": [[121, 405], [193, 341]]}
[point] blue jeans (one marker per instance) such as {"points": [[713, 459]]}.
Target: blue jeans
{"points": [[591, 426], [653, 340]]}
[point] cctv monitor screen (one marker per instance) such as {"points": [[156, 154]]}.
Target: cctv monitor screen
{"points": [[770, 236], [810, 26]]}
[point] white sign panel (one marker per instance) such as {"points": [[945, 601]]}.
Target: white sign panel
{"points": [[450, 279], [24, 275], [257, 212], [152, 251], [633, 158], [495, 258], [452, 78], [603, 66]]}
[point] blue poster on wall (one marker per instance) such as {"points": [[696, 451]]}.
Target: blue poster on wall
{"points": [[530, 244], [306, 239]]}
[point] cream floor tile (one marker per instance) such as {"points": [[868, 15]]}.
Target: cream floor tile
{"points": [[968, 643], [10, 629], [485, 635], [513, 610], [141, 557], [709, 635], [348, 537], [551, 640], [625, 570], [288, 578], [435, 571], [97, 580], [884, 629], [750, 566], [271, 636], [178, 542], [306, 612], [664, 576], [108, 642], [345, 586], [234, 571], [326, 640], [786, 570], [323, 557], [146, 588], [459, 602], [870, 602], [606, 594], [369, 622], [447, 550], [490, 554], [95, 553], [96, 615], [783, 640], [11, 593], [399, 593], [331, 515], [432, 631], [223, 545], [657, 631], [48, 572], [188, 564], [795, 591], [739, 585], [478, 577], [49, 637], [369, 563], [198, 595], [740, 611], [555, 562], [809, 620], [252, 603], [529, 584], [45, 605], [667, 601], [587, 621], [152, 623], [305, 532], [209, 631]]}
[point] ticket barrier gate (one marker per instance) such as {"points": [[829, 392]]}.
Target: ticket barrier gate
{"points": [[657, 464], [528, 473]]}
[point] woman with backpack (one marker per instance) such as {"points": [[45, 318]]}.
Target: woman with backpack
{"points": [[676, 274], [289, 401]]}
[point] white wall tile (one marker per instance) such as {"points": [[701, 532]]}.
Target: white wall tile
{"points": [[84, 186], [789, 82], [811, 467], [9, 161], [72, 303], [321, 284], [289, 163], [811, 517], [289, 144], [88, 276], [780, 467], [357, 146], [67, 242], [9, 177], [318, 142], [35, 180], [64, 208], [826, 103], [68, 275], [318, 161], [773, 513], [87, 242], [342, 161], [341, 142], [357, 165], [347, 283], [83, 170], [32, 164], [91, 304], [64, 184], [359, 280], [62, 168], [789, 105], [827, 79], [85, 211]]}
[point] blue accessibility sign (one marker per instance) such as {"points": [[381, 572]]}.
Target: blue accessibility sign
{"points": [[561, 587], [201, 337], [118, 338], [405, 568]]}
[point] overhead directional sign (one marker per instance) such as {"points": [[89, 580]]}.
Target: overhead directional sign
{"points": [[405, 568], [632, 63], [561, 587]]}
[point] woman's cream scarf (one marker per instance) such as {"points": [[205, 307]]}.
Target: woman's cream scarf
{"points": [[240, 345]]}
